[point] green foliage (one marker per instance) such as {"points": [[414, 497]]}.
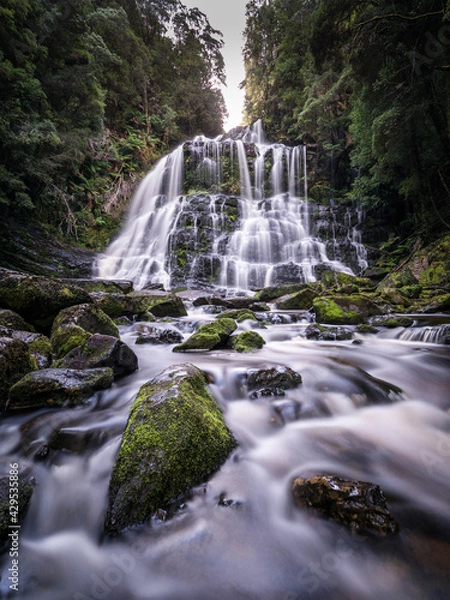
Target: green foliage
{"points": [[91, 94], [369, 82]]}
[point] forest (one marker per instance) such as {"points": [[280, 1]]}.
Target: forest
{"points": [[93, 93]]}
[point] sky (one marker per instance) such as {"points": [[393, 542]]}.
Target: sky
{"points": [[228, 16]]}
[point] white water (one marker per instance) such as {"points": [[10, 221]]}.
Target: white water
{"points": [[349, 421], [271, 242]]}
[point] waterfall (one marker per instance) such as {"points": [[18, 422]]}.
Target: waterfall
{"points": [[230, 213]]}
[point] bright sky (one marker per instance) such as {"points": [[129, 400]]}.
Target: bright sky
{"points": [[228, 16]]}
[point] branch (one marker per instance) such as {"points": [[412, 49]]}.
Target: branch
{"points": [[399, 16]]}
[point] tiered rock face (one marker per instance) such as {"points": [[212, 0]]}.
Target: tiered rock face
{"points": [[231, 213]]}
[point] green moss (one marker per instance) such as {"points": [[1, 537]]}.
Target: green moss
{"points": [[302, 300], [247, 341], [66, 337], [240, 315], [175, 438], [208, 337]]}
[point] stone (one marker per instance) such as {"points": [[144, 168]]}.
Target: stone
{"points": [[344, 309], [246, 341], [240, 315], [40, 347], [15, 362], [209, 337], [302, 300], [272, 381], [58, 387], [159, 336], [38, 299], [87, 316], [160, 304], [175, 438], [358, 505], [101, 351], [327, 334], [10, 319]]}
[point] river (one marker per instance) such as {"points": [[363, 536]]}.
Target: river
{"points": [[373, 409]]}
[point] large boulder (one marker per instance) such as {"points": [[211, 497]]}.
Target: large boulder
{"points": [[302, 300], [359, 505], [15, 362], [345, 309], [158, 303], [176, 437], [12, 320], [38, 299], [87, 316], [209, 337], [101, 351], [58, 387], [246, 341]]}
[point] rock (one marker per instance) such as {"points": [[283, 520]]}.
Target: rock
{"points": [[175, 438], [15, 362], [58, 387], [345, 310], [10, 319], [66, 337], [159, 336], [13, 514], [302, 300], [359, 505], [101, 351], [246, 341], [239, 315], [116, 305], [159, 304], [87, 316], [40, 348], [272, 293], [392, 322], [209, 337], [327, 334], [272, 381], [211, 301], [38, 299], [108, 286]]}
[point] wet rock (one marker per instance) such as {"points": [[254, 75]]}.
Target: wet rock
{"points": [[40, 348], [392, 322], [246, 341], [272, 293], [239, 315], [107, 286], [10, 319], [211, 301], [209, 337], [175, 438], [58, 387], [101, 351], [302, 300], [88, 317], [66, 337], [13, 514], [159, 336], [38, 299], [272, 381], [158, 304], [358, 505], [327, 334], [117, 305], [15, 362], [344, 309]]}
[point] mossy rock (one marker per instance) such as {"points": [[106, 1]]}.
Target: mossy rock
{"points": [[239, 315], [302, 300], [327, 334], [15, 362], [246, 341], [392, 322], [66, 337], [87, 316], [40, 347], [12, 320], [344, 310], [336, 279], [116, 305], [159, 304], [38, 299], [58, 387], [101, 351], [271, 381], [107, 286], [273, 292], [25, 491], [175, 438], [209, 337]]}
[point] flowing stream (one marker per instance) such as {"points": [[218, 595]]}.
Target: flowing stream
{"points": [[376, 410]]}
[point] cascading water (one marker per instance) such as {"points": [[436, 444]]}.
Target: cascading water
{"points": [[228, 213]]}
